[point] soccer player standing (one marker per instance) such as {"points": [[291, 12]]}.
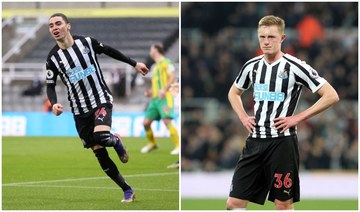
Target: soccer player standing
{"points": [[74, 59], [270, 159], [162, 103]]}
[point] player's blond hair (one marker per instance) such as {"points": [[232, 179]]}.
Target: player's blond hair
{"points": [[271, 20]]}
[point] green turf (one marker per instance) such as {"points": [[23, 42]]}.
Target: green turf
{"points": [[219, 204], [33, 159]]}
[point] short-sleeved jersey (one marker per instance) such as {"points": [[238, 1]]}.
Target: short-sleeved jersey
{"points": [[160, 76], [80, 71], [277, 88]]}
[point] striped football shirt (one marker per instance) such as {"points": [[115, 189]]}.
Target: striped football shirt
{"points": [[277, 88]]}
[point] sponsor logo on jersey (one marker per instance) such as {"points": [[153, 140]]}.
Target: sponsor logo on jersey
{"points": [[77, 73], [262, 93]]}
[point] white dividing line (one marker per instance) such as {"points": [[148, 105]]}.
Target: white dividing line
{"points": [[88, 178], [94, 187]]}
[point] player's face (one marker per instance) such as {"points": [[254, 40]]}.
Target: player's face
{"points": [[58, 28], [270, 39], [152, 52]]}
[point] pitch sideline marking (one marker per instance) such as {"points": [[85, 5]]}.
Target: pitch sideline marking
{"points": [[94, 187], [88, 178]]}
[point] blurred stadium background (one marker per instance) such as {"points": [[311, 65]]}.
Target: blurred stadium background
{"points": [[130, 27], [216, 40]]}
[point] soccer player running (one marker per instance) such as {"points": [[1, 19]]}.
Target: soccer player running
{"points": [[270, 159], [162, 103], [74, 59]]}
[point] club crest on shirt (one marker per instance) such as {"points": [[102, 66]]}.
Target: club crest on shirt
{"points": [[283, 74], [86, 50]]}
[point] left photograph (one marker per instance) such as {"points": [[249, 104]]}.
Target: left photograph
{"points": [[90, 106]]}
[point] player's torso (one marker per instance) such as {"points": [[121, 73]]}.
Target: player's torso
{"points": [[160, 76], [77, 62], [275, 94]]}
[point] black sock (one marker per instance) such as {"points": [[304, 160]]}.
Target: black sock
{"points": [[110, 168]]}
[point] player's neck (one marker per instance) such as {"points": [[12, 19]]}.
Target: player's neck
{"points": [[159, 58], [65, 43], [271, 58]]}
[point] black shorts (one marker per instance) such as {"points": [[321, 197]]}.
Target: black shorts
{"points": [[268, 166], [85, 124]]}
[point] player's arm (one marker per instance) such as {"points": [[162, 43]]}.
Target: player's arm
{"points": [[328, 97], [117, 55], [51, 77], [234, 96]]}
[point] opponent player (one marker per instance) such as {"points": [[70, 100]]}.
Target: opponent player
{"points": [[270, 159], [74, 59], [162, 103]]}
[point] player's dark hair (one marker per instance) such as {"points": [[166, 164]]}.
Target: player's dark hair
{"points": [[159, 47], [63, 16]]}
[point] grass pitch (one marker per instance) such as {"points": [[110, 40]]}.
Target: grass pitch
{"points": [[306, 204], [58, 173]]}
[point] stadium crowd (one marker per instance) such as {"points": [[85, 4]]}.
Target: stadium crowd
{"points": [[213, 51]]}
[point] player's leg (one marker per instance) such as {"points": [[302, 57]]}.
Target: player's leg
{"points": [[236, 204], [151, 115], [173, 134], [284, 205], [248, 183], [283, 168], [112, 171], [103, 138], [165, 108], [102, 134], [85, 128]]}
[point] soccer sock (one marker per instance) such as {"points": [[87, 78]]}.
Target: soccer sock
{"points": [[174, 134], [150, 136], [110, 168]]}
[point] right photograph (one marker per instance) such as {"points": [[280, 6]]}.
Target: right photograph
{"points": [[269, 106]]}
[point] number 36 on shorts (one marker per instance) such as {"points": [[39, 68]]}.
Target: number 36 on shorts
{"points": [[280, 181]]}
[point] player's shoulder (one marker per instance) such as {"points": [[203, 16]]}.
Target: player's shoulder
{"points": [[252, 61], [53, 51], [167, 60], [295, 61]]}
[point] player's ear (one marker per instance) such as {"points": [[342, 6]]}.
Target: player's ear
{"points": [[68, 26], [283, 37]]}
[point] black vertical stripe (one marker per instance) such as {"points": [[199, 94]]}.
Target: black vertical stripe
{"points": [[84, 65], [80, 82], [284, 89], [261, 105], [270, 103], [73, 89]]}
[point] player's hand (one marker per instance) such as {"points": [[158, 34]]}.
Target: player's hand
{"points": [[141, 67], [57, 109], [148, 93], [174, 89], [249, 123], [284, 123], [162, 94]]}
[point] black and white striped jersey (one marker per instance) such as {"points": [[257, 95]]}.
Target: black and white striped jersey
{"points": [[80, 71], [277, 88]]}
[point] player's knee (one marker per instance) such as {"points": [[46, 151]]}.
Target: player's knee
{"points": [[284, 205], [233, 203], [147, 124], [103, 138]]}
